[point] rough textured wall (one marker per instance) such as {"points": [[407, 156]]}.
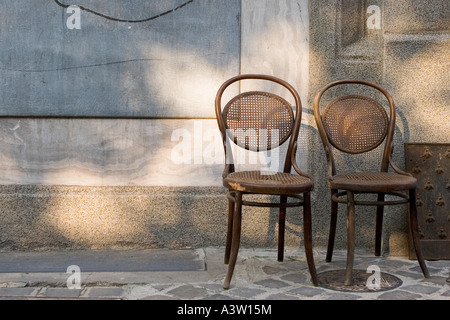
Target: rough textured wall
{"points": [[100, 183], [403, 46]]}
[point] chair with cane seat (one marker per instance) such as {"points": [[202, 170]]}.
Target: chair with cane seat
{"points": [[262, 121], [355, 124]]}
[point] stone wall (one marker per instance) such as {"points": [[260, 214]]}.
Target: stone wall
{"points": [[403, 46], [107, 129], [108, 118]]}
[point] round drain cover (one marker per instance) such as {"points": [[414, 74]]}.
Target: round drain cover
{"points": [[335, 280]]}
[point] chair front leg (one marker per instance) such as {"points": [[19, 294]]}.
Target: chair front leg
{"points": [[281, 230], [333, 223], [236, 239], [307, 231], [414, 228], [351, 221]]}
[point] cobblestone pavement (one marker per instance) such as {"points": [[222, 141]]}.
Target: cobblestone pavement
{"points": [[258, 276]]}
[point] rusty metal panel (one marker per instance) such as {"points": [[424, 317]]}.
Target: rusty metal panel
{"points": [[430, 165]]}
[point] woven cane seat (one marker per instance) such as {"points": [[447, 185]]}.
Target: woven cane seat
{"points": [[260, 182], [372, 182]]}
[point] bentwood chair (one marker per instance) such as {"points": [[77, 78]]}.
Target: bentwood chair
{"points": [[263, 121], [353, 124]]}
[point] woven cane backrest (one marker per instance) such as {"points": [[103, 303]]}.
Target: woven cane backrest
{"points": [[258, 121], [355, 124]]}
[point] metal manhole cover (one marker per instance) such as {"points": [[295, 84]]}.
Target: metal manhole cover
{"points": [[334, 280]]}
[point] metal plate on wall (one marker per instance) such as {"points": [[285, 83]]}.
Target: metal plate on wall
{"points": [[430, 165]]}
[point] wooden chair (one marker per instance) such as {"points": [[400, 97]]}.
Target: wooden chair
{"points": [[356, 124], [262, 121]]}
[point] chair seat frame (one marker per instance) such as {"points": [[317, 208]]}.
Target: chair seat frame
{"points": [[231, 195], [401, 198]]}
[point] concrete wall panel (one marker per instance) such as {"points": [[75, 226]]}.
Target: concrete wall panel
{"points": [[166, 67], [111, 152], [111, 183]]}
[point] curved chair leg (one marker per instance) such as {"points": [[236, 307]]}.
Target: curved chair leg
{"points": [[229, 231], [281, 230], [307, 226], [379, 226], [236, 239], [332, 235], [350, 237], [414, 226]]}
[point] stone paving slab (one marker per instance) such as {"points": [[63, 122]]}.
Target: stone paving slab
{"points": [[258, 276], [104, 260]]}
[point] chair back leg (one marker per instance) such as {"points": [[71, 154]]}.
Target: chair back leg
{"points": [[281, 230], [333, 223], [351, 221], [379, 226]]}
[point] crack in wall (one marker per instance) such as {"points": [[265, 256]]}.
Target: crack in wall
{"points": [[79, 67], [126, 20]]}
